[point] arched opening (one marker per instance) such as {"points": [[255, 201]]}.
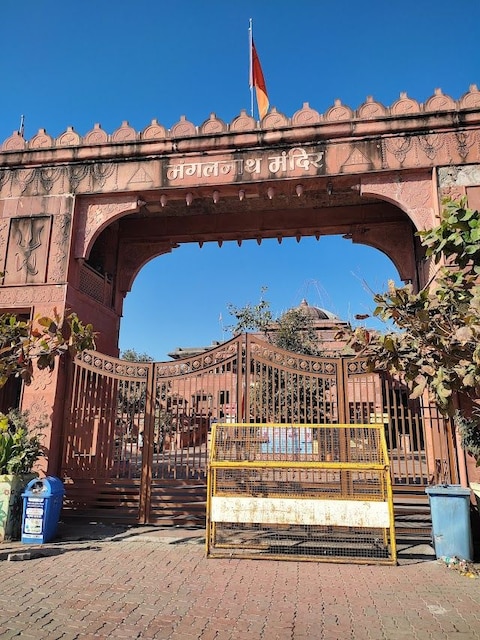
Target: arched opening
{"points": [[272, 228], [181, 299], [173, 263]]}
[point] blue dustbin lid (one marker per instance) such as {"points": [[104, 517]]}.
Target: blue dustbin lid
{"points": [[42, 487], [447, 490]]}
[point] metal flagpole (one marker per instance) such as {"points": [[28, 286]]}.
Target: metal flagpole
{"points": [[250, 47]]}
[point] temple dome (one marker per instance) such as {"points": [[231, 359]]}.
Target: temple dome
{"points": [[316, 313]]}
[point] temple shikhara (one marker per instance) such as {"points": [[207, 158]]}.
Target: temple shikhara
{"points": [[80, 215]]}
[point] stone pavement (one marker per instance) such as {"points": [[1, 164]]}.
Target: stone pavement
{"points": [[144, 582]]}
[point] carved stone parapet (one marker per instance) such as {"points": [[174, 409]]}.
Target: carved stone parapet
{"points": [[306, 115], [41, 141], [274, 120], [213, 126], [154, 131], [338, 112], [243, 122], [183, 128], [369, 110], [69, 138], [126, 133]]}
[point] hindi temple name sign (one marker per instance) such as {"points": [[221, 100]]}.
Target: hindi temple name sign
{"points": [[296, 162]]}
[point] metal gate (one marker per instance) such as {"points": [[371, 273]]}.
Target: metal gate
{"points": [[136, 435]]}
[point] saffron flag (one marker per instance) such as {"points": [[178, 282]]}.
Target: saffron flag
{"points": [[258, 81]]}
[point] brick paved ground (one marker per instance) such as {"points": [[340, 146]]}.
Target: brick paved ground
{"points": [[163, 587]]}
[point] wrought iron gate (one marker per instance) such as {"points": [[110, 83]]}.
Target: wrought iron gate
{"points": [[136, 434]]}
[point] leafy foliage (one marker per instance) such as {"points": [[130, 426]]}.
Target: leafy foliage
{"points": [[437, 344], [457, 237], [132, 355], [25, 342], [20, 443], [469, 431], [293, 330], [252, 317]]}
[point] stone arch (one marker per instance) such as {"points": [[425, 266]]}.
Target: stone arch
{"points": [[94, 217], [387, 243], [134, 257], [413, 194]]}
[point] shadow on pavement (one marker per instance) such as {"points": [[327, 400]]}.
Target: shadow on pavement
{"points": [[70, 532]]}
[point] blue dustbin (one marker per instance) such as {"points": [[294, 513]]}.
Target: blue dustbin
{"points": [[451, 529], [42, 504]]}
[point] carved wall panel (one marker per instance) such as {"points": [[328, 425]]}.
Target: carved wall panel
{"points": [[473, 197], [459, 175], [4, 228], [413, 194], [59, 248], [27, 251], [433, 148], [98, 177], [25, 297], [91, 218], [454, 191], [457, 181], [39, 400]]}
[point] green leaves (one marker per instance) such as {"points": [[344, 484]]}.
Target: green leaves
{"points": [[456, 237], [23, 343], [252, 317], [292, 331], [20, 442], [436, 346]]}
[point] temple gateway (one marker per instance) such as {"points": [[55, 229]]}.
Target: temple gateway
{"points": [[81, 215]]}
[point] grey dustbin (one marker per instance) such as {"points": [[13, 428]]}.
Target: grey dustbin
{"points": [[451, 529], [42, 504]]}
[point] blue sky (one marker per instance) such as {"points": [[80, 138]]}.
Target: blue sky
{"points": [[71, 63]]}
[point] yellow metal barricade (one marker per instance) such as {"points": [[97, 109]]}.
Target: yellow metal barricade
{"points": [[300, 492]]}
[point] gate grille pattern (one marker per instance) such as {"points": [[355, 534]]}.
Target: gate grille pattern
{"points": [[137, 435], [286, 387], [103, 458]]}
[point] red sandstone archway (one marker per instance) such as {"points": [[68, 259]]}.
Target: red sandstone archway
{"points": [[156, 224], [79, 216]]}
